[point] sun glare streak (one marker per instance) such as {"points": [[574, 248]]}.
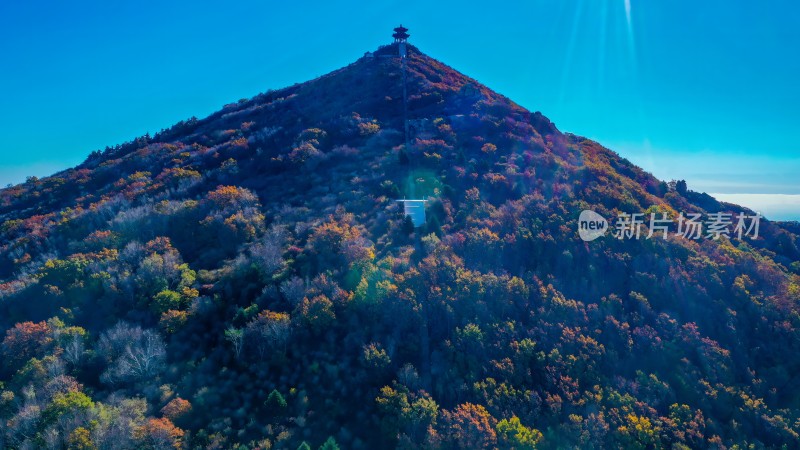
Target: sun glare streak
{"points": [[573, 38], [629, 23], [633, 66], [628, 12], [601, 57]]}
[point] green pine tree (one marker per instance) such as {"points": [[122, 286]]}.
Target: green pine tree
{"points": [[330, 444], [275, 401]]}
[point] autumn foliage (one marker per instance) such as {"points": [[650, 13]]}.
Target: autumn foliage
{"points": [[248, 280]]}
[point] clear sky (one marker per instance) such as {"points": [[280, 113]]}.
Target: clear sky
{"points": [[706, 91]]}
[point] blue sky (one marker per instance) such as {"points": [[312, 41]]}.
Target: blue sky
{"points": [[703, 91]]}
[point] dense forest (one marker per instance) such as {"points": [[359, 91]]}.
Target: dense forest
{"points": [[248, 280]]}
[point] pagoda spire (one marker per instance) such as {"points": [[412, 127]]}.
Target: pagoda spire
{"points": [[400, 34]]}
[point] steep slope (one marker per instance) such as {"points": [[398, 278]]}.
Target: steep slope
{"points": [[295, 302]]}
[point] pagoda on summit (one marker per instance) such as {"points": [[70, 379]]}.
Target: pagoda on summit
{"points": [[400, 34]]}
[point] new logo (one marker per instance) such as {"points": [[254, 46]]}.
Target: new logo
{"points": [[591, 225]]}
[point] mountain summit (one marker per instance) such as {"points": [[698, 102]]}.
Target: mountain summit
{"points": [[249, 279]]}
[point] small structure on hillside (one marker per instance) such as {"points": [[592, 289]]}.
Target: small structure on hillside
{"points": [[415, 209]]}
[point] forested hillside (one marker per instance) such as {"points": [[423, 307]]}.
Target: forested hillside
{"points": [[248, 280]]}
